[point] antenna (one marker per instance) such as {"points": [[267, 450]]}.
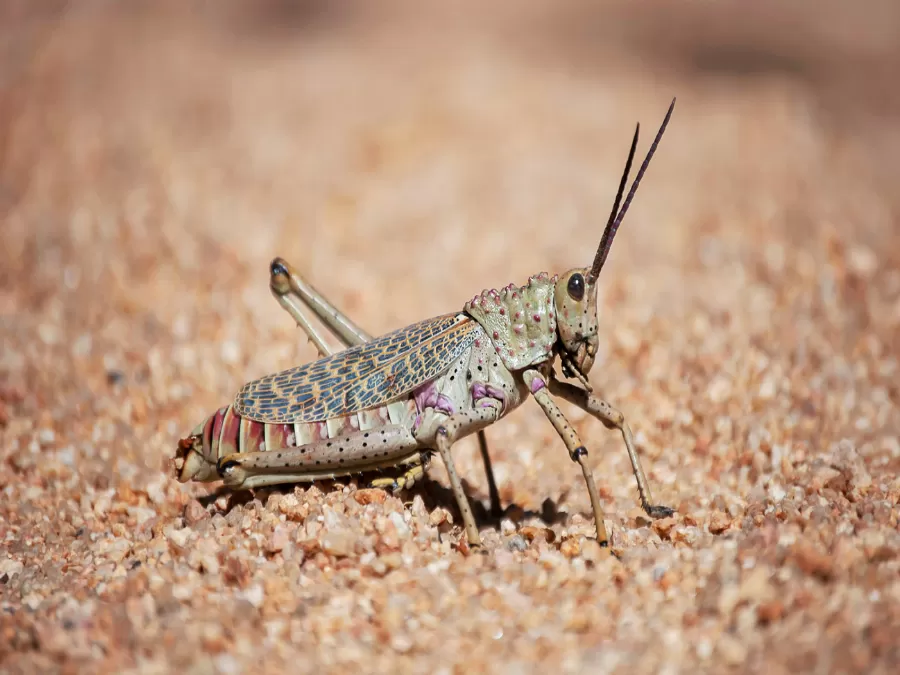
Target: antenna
{"points": [[613, 225]]}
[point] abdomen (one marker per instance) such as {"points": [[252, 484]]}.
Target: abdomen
{"points": [[225, 432]]}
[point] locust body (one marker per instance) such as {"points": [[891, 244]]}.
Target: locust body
{"points": [[395, 400], [276, 449]]}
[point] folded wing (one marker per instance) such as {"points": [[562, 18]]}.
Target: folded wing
{"points": [[361, 377]]}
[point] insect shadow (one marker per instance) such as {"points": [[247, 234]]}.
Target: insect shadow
{"points": [[436, 495], [433, 494]]}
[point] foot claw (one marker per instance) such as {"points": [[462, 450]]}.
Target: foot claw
{"points": [[659, 511], [393, 487]]}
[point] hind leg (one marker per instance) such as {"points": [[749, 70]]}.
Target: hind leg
{"points": [[370, 450], [291, 291]]}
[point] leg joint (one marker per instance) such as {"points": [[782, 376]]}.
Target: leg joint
{"points": [[615, 415], [223, 465], [579, 452]]}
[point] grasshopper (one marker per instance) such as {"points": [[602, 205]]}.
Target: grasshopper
{"points": [[393, 401]]}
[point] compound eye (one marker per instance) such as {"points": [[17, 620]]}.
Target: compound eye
{"points": [[576, 287], [277, 268]]}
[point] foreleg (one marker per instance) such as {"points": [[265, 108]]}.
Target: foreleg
{"points": [[538, 386], [613, 419]]}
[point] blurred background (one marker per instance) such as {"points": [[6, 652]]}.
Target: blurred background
{"points": [[155, 156]]}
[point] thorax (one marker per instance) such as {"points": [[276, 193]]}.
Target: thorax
{"points": [[520, 322]]}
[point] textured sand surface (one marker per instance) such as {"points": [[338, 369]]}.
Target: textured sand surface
{"points": [[154, 161]]}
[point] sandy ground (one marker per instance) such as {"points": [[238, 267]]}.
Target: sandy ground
{"points": [[155, 160]]}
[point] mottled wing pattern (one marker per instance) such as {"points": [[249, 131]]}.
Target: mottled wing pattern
{"points": [[360, 377]]}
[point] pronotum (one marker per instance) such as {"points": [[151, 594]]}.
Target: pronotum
{"points": [[392, 401]]}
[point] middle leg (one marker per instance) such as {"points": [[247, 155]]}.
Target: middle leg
{"points": [[538, 386], [447, 433], [407, 479]]}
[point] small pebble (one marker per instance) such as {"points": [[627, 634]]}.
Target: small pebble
{"points": [[719, 522], [194, 512], [370, 496]]}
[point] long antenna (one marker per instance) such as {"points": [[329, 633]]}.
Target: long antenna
{"points": [[613, 225], [604, 245]]}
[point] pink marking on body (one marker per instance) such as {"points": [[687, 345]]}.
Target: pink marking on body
{"points": [[480, 361], [278, 436], [502, 311], [518, 314], [322, 430], [207, 435], [481, 390], [536, 385], [427, 396], [374, 417], [511, 352], [346, 424], [255, 436], [517, 329], [477, 343], [231, 430], [531, 344], [550, 315], [496, 335], [218, 419], [536, 317]]}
